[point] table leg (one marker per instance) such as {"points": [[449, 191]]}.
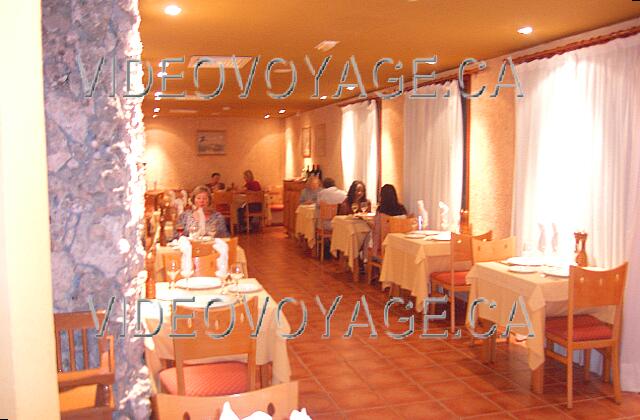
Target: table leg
{"points": [[265, 375], [537, 379]]}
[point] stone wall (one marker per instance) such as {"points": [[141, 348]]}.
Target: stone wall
{"points": [[96, 186]]}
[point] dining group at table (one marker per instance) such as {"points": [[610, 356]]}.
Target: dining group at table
{"points": [[535, 296]]}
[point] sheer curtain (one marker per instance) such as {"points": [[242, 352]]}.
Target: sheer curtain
{"points": [[578, 164], [433, 141], [359, 146]]}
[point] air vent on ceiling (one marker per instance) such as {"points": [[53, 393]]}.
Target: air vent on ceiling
{"points": [[215, 60]]}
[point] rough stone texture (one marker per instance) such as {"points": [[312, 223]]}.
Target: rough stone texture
{"points": [[96, 186]]}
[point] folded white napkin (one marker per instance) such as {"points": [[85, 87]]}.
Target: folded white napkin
{"points": [[444, 214], [299, 415], [202, 221], [222, 265], [227, 412], [542, 240], [178, 203], [185, 247]]}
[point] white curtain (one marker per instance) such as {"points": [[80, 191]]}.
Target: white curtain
{"points": [[360, 146], [433, 143], [578, 164]]}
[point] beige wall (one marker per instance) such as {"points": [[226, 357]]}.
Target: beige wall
{"points": [[252, 143], [492, 149], [393, 143], [28, 381]]}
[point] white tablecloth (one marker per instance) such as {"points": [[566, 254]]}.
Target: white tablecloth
{"points": [[270, 346], [306, 216], [409, 263], [348, 236], [162, 250], [543, 296]]}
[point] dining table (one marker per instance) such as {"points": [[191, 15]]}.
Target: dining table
{"points": [[306, 217], [409, 260], [348, 236], [543, 296], [271, 346]]}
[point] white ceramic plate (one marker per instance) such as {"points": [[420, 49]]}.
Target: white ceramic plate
{"points": [[427, 232], [528, 261], [522, 269], [219, 301], [199, 283], [245, 288], [562, 272], [413, 235], [442, 236]]}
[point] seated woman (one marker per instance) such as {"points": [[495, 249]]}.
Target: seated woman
{"points": [[250, 184], [389, 206], [214, 222], [309, 194], [357, 195]]}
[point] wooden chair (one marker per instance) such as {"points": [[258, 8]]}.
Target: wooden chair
{"points": [[375, 254], [85, 391], [233, 250], [223, 204], [323, 227], [205, 259], [453, 281], [496, 250], [402, 224], [278, 401], [590, 289], [212, 379], [251, 210]]}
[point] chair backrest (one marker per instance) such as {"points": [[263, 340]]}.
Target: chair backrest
{"points": [[254, 197], [278, 401], [222, 197], [461, 246], [68, 324], [496, 250], [206, 266], [237, 341], [401, 224], [327, 211]]}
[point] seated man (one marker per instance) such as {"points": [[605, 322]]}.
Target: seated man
{"points": [[331, 194], [215, 184]]}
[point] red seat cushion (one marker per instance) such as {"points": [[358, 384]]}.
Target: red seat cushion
{"points": [[459, 277], [585, 328], [208, 379], [277, 207]]}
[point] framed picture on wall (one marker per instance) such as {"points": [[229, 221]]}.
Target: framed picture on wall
{"points": [[213, 142], [320, 139], [306, 142]]}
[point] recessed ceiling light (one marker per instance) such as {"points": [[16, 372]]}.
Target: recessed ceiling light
{"points": [[266, 117], [282, 111], [351, 87], [172, 10], [325, 46], [226, 108], [155, 116], [526, 30], [323, 97], [156, 109]]}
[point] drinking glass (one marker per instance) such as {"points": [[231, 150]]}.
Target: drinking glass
{"points": [[172, 271], [187, 275], [354, 208], [236, 273], [363, 207], [193, 230]]}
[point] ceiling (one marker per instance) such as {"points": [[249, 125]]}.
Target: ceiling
{"points": [[367, 29]]}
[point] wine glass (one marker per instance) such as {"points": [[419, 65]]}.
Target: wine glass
{"points": [[187, 274], [354, 208], [173, 268], [363, 206], [236, 272], [193, 230]]}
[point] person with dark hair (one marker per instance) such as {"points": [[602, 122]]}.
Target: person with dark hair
{"points": [[389, 204], [389, 207], [331, 194], [357, 195], [250, 182], [215, 184]]}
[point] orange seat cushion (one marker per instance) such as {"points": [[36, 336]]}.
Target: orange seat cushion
{"points": [[208, 379], [276, 207], [459, 277], [585, 328]]}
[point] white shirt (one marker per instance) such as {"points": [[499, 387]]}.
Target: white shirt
{"points": [[331, 195]]}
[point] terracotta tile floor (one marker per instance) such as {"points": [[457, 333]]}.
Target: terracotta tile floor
{"points": [[382, 378]]}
